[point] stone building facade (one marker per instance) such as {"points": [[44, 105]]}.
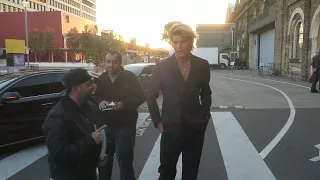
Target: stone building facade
{"points": [[283, 32]]}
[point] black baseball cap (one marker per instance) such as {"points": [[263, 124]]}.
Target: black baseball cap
{"points": [[75, 77]]}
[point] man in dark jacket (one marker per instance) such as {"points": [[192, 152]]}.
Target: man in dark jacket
{"points": [[123, 88], [183, 80], [72, 141], [316, 70]]}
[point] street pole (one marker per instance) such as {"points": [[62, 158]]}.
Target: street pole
{"points": [[27, 36]]}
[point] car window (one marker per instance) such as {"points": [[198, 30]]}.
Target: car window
{"points": [[7, 79], [147, 70], [32, 86], [5, 82], [225, 57], [134, 69], [56, 85]]}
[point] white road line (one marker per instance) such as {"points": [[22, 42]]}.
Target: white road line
{"points": [[20, 160], [16, 162], [265, 80], [141, 118], [264, 153], [241, 159], [239, 107], [150, 169], [223, 107]]}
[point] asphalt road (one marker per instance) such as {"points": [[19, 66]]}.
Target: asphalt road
{"points": [[262, 128]]}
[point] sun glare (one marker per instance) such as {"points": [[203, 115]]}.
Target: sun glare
{"points": [[145, 21]]}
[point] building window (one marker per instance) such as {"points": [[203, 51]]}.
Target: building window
{"points": [[67, 19], [298, 41]]}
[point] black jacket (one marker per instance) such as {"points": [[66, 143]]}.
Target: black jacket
{"points": [[72, 152], [316, 61], [191, 98], [126, 89]]}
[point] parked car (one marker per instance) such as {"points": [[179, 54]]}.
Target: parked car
{"points": [[144, 73], [25, 100]]}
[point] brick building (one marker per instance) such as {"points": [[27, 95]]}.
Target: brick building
{"points": [[80, 8], [61, 22], [284, 32]]}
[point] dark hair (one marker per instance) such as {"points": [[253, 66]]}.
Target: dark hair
{"points": [[113, 52]]}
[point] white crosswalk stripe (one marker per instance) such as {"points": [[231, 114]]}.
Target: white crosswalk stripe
{"points": [[240, 158], [20, 160], [150, 169]]}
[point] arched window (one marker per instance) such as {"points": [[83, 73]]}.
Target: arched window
{"points": [[298, 41], [238, 45]]}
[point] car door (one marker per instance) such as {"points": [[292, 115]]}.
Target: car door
{"points": [[145, 77], [21, 119]]}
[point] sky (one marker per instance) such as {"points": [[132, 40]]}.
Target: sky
{"points": [[145, 19]]}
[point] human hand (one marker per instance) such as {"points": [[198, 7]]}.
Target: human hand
{"points": [[119, 106], [103, 104], [160, 127], [97, 136]]}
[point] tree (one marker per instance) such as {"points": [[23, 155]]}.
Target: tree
{"points": [[35, 38], [94, 45], [167, 27], [73, 38], [50, 42], [43, 41]]}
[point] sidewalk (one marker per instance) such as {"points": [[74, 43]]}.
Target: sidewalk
{"points": [[254, 74]]}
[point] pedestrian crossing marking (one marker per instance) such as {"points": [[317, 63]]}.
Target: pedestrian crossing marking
{"points": [[242, 160], [150, 169], [317, 158], [18, 161]]}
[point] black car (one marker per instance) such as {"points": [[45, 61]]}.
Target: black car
{"points": [[25, 100], [143, 71]]}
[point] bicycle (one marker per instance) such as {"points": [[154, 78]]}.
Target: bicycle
{"points": [[272, 70], [260, 69]]}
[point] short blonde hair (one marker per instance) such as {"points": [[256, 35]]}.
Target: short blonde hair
{"points": [[183, 30]]}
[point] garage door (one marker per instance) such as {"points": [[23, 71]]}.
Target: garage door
{"points": [[266, 54]]}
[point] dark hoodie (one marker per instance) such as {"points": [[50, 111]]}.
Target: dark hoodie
{"points": [[126, 89], [72, 152]]}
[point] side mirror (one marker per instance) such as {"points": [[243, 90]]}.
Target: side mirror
{"points": [[10, 96]]}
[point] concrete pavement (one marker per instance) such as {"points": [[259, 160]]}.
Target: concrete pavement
{"points": [[277, 111]]}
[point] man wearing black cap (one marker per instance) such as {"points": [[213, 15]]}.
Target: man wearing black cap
{"points": [[72, 141], [123, 88]]}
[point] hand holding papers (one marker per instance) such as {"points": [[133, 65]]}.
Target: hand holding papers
{"points": [[107, 106]]}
